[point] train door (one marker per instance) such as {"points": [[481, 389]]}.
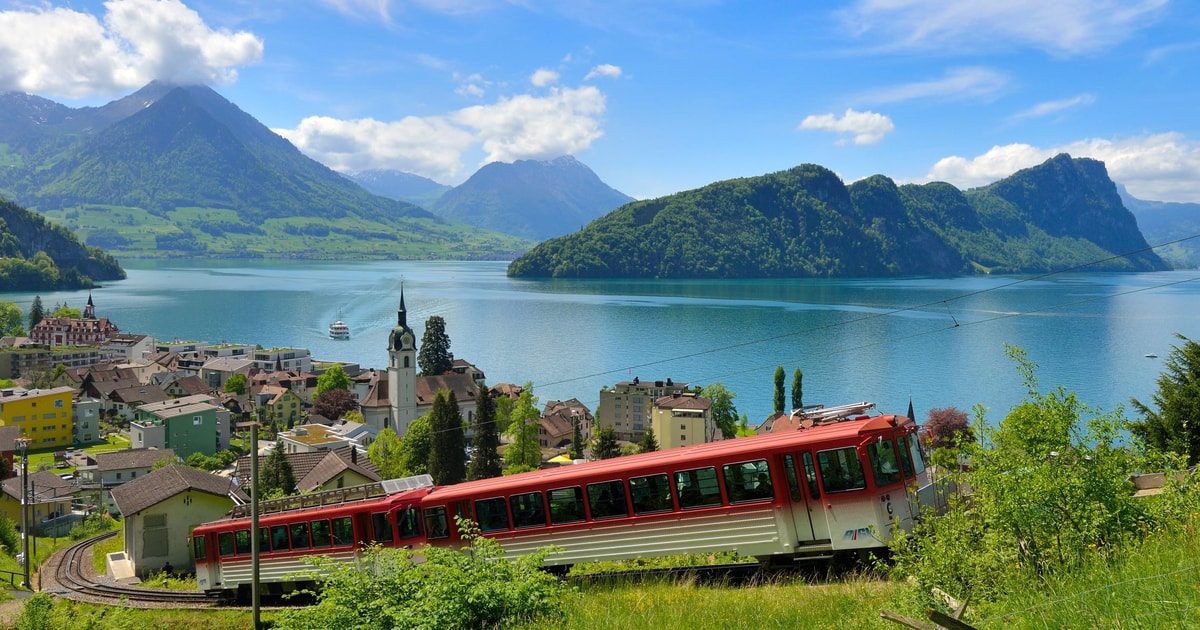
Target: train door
{"points": [[809, 528]]}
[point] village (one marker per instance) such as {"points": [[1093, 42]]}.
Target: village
{"points": [[114, 418]]}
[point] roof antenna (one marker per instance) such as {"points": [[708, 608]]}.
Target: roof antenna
{"points": [[947, 305]]}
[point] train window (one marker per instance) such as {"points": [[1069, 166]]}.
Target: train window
{"points": [[789, 465], [650, 494], [198, 547], [492, 515], [748, 481], [264, 539], [905, 460], [566, 505], [528, 510], [884, 467], [343, 531], [241, 538], [300, 536], [918, 457], [279, 538], [607, 499], [436, 523], [410, 522], [225, 543], [810, 471], [841, 470], [320, 534], [697, 488], [381, 527]]}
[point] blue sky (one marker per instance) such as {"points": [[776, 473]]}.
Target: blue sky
{"points": [[660, 96]]}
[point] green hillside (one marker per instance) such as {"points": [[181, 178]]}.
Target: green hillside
{"points": [[804, 222], [36, 255]]}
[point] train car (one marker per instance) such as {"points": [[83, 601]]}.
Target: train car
{"points": [[334, 523], [840, 485], [837, 487]]}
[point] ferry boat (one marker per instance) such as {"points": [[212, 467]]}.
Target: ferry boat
{"points": [[339, 330]]}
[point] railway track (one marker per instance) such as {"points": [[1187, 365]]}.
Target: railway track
{"points": [[68, 574]]}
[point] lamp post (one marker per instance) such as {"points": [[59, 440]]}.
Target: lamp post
{"points": [[23, 446]]}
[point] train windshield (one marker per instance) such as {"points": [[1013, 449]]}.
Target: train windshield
{"points": [[914, 448], [884, 462]]}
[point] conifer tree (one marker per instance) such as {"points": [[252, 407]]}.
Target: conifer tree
{"points": [[485, 456], [606, 446], [1175, 426], [576, 439], [797, 389], [37, 312], [447, 457], [780, 377], [276, 476], [649, 443], [435, 357]]}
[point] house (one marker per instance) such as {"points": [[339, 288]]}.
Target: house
{"points": [[682, 419], [8, 447], [282, 359], [21, 356], [556, 427], [319, 470], [161, 508], [87, 330], [284, 407], [105, 471], [42, 415], [50, 503], [86, 413], [216, 371], [310, 438], [625, 408], [192, 424], [179, 386], [128, 348]]}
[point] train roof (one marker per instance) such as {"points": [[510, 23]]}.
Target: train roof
{"points": [[672, 458]]}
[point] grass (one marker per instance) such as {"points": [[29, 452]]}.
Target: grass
{"points": [[45, 457], [101, 549]]}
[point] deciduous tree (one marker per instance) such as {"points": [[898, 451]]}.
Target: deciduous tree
{"points": [[334, 403], [435, 357], [414, 448], [447, 454], [485, 456], [386, 454], [523, 429], [948, 427], [724, 413], [1175, 425], [236, 384], [333, 378], [11, 319]]}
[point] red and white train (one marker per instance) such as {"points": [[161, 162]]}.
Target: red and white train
{"points": [[842, 484]]}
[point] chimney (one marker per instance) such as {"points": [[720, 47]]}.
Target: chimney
{"points": [[353, 455]]}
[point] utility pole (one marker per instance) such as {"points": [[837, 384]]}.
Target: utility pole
{"points": [[23, 444], [254, 542]]}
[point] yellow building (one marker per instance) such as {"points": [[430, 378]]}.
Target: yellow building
{"points": [[682, 419], [43, 415]]}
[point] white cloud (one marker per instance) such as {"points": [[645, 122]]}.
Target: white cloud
{"points": [[67, 53], [431, 146], [866, 127], [543, 77], [564, 122], [1161, 167], [1061, 27], [604, 70], [1053, 107], [973, 83]]}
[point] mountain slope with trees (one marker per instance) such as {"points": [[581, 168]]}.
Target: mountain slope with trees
{"points": [[531, 198], [179, 170], [804, 222], [1167, 221], [36, 255]]}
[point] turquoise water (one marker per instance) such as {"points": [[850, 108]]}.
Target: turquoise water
{"points": [[876, 340]]}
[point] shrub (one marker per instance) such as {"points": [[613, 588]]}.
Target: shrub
{"points": [[36, 615], [472, 587], [9, 538], [92, 524]]}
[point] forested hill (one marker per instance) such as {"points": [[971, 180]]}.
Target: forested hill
{"points": [[36, 255], [805, 222]]}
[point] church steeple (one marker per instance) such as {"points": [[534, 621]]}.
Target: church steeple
{"points": [[89, 311], [402, 336], [401, 313]]}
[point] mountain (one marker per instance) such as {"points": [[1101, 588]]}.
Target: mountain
{"points": [[531, 198], [179, 170], [1167, 221], [37, 256], [401, 186], [804, 222]]}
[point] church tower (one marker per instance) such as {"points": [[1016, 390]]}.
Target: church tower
{"points": [[89, 311], [402, 372]]}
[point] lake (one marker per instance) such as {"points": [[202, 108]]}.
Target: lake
{"points": [[940, 340]]}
